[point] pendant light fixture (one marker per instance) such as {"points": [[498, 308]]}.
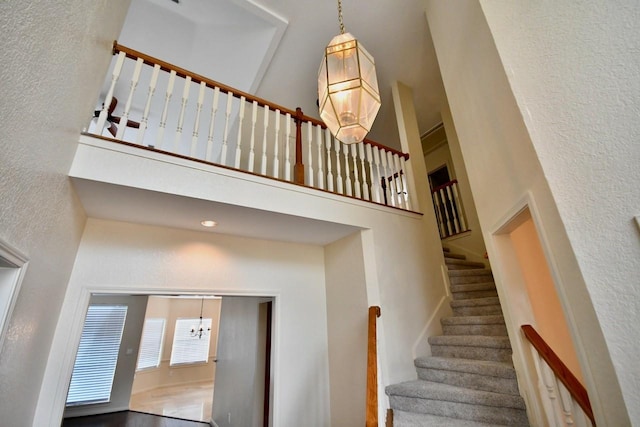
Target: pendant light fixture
{"points": [[348, 95], [200, 330]]}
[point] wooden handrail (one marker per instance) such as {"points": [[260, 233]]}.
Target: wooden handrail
{"points": [[445, 185], [577, 390], [197, 78], [372, 369]]}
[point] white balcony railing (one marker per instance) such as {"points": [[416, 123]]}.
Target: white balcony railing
{"points": [[158, 106], [449, 212]]}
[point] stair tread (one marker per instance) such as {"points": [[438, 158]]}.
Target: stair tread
{"points": [[437, 391], [487, 341], [471, 272], [454, 255], [480, 367], [475, 302], [468, 287], [492, 319], [456, 261], [412, 419]]}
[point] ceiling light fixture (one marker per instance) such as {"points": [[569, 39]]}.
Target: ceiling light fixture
{"points": [[200, 330], [348, 94], [208, 223]]}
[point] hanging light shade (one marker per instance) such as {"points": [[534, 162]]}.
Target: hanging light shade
{"points": [[347, 87]]}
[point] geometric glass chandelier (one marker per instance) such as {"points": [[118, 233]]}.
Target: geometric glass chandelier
{"points": [[348, 94]]}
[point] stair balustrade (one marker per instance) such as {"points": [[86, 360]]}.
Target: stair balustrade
{"points": [[564, 398], [187, 115], [449, 212]]}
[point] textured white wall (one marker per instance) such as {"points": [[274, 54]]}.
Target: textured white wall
{"points": [[53, 63], [575, 73], [114, 256], [504, 170]]}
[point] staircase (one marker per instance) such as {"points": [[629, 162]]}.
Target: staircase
{"points": [[469, 380]]}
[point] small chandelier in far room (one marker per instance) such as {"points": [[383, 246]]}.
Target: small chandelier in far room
{"points": [[200, 330], [348, 95]]}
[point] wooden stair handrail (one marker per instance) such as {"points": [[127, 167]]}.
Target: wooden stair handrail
{"points": [[445, 185], [197, 78], [372, 369], [577, 390]]}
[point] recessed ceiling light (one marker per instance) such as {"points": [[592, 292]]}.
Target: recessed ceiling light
{"points": [[208, 223]]}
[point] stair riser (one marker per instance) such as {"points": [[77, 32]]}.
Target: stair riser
{"points": [[478, 413], [474, 294], [467, 352], [461, 280], [470, 380], [483, 286], [454, 256], [480, 310], [487, 330], [461, 266]]}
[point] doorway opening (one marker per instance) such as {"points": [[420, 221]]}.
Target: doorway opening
{"points": [[172, 350]]}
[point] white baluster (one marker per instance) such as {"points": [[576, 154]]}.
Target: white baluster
{"points": [[400, 182], [565, 403], [254, 118], [456, 197], [356, 177], [225, 134], [265, 131], [134, 83], [165, 109], [276, 160], [309, 154], [548, 378], [347, 170], [328, 137], [320, 144], [447, 217], [388, 191], [196, 123], [117, 68], [337, 145], [287, 156], [378, 178], [214, 111], [454, 212], [183, 107], [145, 115], [405, 183], [393, 180], [365, 185], [436, 204], [239, 139]]}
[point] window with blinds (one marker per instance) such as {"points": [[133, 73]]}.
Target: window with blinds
{"points": [[151, 344], [187, 348], [95, 364]]}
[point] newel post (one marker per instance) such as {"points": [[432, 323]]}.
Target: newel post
{"points": [[298, 168], [372, 369]]}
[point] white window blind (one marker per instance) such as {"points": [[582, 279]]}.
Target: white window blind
{"points": [[151, 343], [97, 356], [189, 349]]}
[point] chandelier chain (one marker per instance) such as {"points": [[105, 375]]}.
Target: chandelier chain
{"points": [[340, 17]]}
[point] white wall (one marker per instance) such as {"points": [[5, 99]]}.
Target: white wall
{"points": [[54, 60], [575, 74], [504, 172], [126, 257]]}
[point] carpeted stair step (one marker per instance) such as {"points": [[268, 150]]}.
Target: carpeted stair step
{"points": [[454, 255], [476, 306], [410, 419], [462, 264], [444, 400], [492, 325], [474, 290], [446, 250], [498, 377], [479, 275], [479, 347]]}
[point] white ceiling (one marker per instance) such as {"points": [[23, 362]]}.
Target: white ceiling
{"points": [[273, 48]]}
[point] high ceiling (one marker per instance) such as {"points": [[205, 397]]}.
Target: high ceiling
{"points": [[273, 48]]}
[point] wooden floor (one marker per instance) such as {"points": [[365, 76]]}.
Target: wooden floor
{"points": [[129, 419], [177, 406], [190, 402]]}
